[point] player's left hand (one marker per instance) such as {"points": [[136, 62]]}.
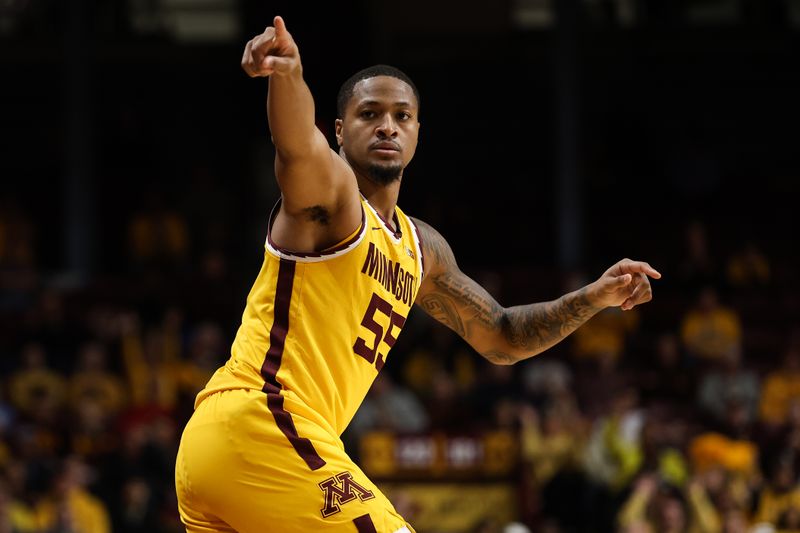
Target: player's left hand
{"points": [[626, 284]]}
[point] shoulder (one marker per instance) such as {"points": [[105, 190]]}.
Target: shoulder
{"points": [[434, 246]]}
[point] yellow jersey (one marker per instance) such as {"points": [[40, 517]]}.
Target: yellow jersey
{"points": [[317, 327]]}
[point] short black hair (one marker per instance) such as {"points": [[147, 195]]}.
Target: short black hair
{"points": [[346, 90]]}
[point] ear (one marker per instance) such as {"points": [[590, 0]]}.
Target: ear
{"points": [[339, 132]]}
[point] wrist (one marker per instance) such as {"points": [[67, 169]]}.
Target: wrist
{"points": [[593, 296]]}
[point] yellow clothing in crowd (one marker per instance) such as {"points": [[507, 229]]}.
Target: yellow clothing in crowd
{"points": [[84, 513], [712, 449], [605, 333], [162, 235], [780, 388], [28, 388], [548, 454], [711, 335], [104, 389], [702, 517], [773, 504]]}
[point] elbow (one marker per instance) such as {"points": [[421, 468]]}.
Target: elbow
{"points": [[509, 345]]}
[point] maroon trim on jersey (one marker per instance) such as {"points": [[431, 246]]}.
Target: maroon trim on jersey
{"points": [[364, 524], [419, 239], [398, 232], [323, 253], [272, 362]]}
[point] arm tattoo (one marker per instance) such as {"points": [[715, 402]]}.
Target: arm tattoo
{"points": [[465, 307], [443, 310], [470, 295], [541, 325]]}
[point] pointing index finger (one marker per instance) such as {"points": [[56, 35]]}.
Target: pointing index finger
{"points": [[644, 267], [280, 27]]}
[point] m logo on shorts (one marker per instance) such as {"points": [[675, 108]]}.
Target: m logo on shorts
{"points": [[341, 489]]}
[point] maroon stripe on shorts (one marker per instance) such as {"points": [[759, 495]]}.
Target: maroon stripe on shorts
{"points": [[364, 524], [272, 362]]}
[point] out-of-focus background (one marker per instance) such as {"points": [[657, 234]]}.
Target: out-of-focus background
{"points": [[558, 136]]}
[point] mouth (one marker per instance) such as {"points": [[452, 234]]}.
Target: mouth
{"points": [[385, 148]]}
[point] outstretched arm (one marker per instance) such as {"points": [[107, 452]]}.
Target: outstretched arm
{"points": [[505, 335], [318, 188]]}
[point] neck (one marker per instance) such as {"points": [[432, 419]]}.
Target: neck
{"points": [[382, 197]]}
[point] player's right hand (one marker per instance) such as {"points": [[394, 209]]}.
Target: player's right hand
{"points": [[272, 52]]}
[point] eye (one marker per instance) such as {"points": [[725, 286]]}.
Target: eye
{"points": [[403, 116], [367, 114]]}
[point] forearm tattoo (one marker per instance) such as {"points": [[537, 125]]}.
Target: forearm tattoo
{"points": [[465, 307]]}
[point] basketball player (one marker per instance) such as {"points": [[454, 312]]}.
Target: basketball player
{"points": [[342, 267]]}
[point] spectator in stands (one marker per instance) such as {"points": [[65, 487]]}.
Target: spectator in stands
{"points": [[158, 237], [781, 388], [783, 441], [657, 507], [605, 334], [206, 350], [599, 386], [727, 468], [390, 407], [730, 389], [551, 442], [14, 516], [35, 387], [748, 267], [780, 496], [709, 329], [614, 449], [551, 450], [139, 508], [144, 471], [666, 380], [437, 351], [68, 506], [150, 363], [497, 387], [92, 433], [545, 379], [92, 382], [447, 405]]}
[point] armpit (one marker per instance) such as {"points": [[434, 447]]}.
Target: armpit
{"points": [[318, 214]]}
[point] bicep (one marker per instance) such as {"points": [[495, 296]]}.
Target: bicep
{"points": [[316, 177]]}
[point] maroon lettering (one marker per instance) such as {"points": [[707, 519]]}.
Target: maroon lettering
{"points": [[396, 280], [376, 303], [371, 261], [391, 279], [371, 354], [395, 320]]}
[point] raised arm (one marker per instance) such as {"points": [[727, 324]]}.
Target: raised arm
{"points": [[320, 201], [505, 335]]}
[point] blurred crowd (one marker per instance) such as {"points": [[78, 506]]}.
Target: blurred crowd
{"points": [[682, 415]]}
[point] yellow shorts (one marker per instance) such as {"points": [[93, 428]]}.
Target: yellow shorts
{"points": [[237, 471]]}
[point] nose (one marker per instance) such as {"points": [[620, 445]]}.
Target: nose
{"points": [[387, 128]]}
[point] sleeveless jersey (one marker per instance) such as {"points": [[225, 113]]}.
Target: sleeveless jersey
{"points": [[317, 327]]}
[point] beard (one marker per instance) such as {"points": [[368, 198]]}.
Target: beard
{"points": [[384, 174]]}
